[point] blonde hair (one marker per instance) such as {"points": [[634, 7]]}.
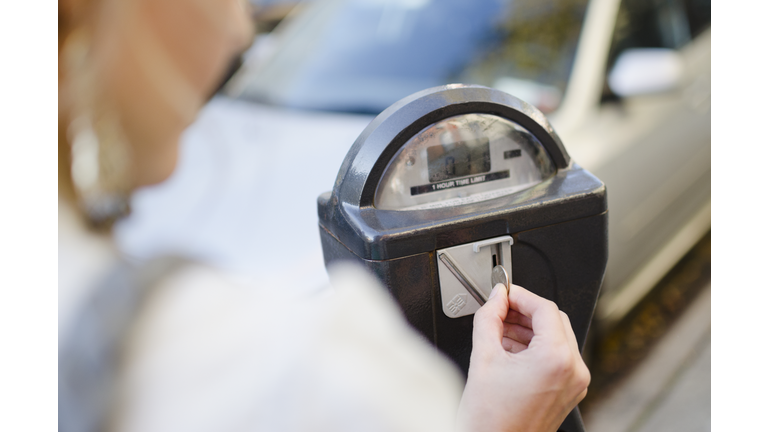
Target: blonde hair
{"points": [[132, 75]]}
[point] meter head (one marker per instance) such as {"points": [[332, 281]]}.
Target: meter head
{"points": [[448, 146], [462, 159], [445, 158]]}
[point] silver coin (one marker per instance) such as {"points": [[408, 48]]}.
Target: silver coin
{"points": [[499, 276]]}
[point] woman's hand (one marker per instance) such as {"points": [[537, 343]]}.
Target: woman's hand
{"points": [[525, 372]]}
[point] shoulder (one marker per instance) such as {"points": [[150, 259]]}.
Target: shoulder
{"points": [[84, 258], [272, 357]]}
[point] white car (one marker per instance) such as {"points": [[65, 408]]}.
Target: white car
{"points": [[626, 85]]}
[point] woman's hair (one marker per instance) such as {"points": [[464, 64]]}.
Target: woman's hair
{"points": [[132, 76]]}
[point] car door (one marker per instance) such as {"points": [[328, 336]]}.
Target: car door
{"points": [[652, 148]]}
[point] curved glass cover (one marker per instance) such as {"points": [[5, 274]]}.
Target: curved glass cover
{"points": [[460, 160]]}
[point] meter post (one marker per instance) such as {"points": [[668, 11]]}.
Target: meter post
{"points": [[452, 181]]}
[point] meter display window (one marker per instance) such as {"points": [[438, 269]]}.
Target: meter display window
{"points": [[460, 160], [447, 161]]}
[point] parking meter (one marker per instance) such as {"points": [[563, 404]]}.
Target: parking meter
{"points": [[453, 181]]}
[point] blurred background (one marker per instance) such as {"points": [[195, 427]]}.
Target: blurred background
{"points": [[625, 83]]}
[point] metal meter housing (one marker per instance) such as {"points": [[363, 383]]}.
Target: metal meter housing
{"points": [[419, 186]]}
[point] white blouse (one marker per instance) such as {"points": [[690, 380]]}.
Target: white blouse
{"points": [[208, 353]]}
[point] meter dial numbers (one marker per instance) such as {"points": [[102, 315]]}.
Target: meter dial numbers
{"points": [[462, 159], [447, 161]]}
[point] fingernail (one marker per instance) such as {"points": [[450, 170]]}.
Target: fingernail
{"points": [[495, 291]]}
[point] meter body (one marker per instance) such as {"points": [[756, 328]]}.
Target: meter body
{"points": [[452, 181]]}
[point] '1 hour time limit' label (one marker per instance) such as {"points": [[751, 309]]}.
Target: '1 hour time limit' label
{"points": [[467, 181]]}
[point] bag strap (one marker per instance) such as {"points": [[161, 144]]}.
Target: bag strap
{"points": [[90, 351]]}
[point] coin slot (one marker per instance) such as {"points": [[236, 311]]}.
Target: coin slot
{"points": [[493, 261]]}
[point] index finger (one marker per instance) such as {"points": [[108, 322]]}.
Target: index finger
{"points": [[544, 314]]}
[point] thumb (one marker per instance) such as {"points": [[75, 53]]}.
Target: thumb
{"points": [[488, 325]]}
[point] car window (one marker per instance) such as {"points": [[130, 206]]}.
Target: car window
{"points": [[699, 15], [655, 24]]}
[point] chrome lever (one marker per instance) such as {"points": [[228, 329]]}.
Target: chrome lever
{"points": [[478, 295]]}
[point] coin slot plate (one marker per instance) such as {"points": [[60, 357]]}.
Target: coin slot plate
{"points": [[474, 262]]}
